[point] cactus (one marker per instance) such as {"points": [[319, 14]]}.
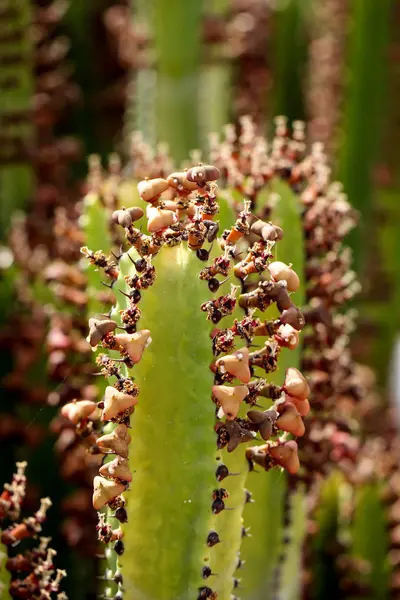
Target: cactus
{"points": [[181, 350]]}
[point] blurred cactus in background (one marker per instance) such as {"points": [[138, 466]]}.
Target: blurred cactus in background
{"points": [[141, 378]]}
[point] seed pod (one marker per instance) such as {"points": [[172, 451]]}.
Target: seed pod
{"points": [[303, 406], [213, 539], [126, 216], [117, 469], [151, 189], [286, 455], [287, 336], [296, 384], [282, 272], [78, 411], [267, 231], [180, 182], [230, 398], [116, 403], [283, 301], [202, 174], [264, 420], [134, 344], [159, 218], [116, 442], [236, 364], [105, 490], [98, 329], [290, 419], [292, 316]]}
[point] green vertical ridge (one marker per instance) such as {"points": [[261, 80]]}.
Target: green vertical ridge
{"points": [[364, 106], [264, 517], [16, 83]]}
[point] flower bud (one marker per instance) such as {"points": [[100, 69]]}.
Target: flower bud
{"points": [[126, 216], [159, 218], [230, 398], [134, 344], [78, 411], [116, 403], [282, 272], [151, 189], [116, 442], [287, 336], [286, 455], [117, 469], [264, 420], [293, 316], [202, 174], [179, 181], [98, 329], [296, 384], [236, 364], [105, 490], [303, 406], [290, 419]]}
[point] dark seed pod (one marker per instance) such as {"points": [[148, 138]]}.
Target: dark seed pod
{"points": [[202, 254], [221, 472], [121, 515], [216, 316], [118, 578], [140, 265], [248, 497], [294, 317], [283, 301], [213, 539], [206, 592], [217, 506], [213, 284], [206, 572], [264, 421], [119, 596], [266, 231], [119, 547]]}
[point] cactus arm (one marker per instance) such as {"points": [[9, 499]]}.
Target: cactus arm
{"points": [[177, 40], [361, 121], [264, 517], [371, 539], [176, 417], [16, 82]]}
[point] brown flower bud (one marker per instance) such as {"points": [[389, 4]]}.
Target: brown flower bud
{"points": [[296, 384], [78, 411], [104, 491], [266, 231], [286, 455], [116, 403], [293, 316], [282, 272], [303, 406], [126, 216], [202, 174], [98, 329], [230, 398], [116, 442], [287, 336], [236, 364], [290, 419], [151, 189], [117, 469], [134, 344]]}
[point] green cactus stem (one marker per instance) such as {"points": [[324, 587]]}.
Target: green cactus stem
{"points": [[16, 82], [266, 514]]}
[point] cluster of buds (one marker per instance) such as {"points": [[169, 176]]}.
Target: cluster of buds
{"points": [[34, 575]]}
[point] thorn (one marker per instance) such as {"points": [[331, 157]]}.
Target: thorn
{"points": [[117, 258], [130, 258], [109, 285], [127, 295]]}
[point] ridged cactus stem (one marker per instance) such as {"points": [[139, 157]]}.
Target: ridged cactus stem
{"points": [[16, 82], [177, 531]]}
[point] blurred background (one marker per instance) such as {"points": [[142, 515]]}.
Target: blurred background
{"points": [[77, 78]]}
